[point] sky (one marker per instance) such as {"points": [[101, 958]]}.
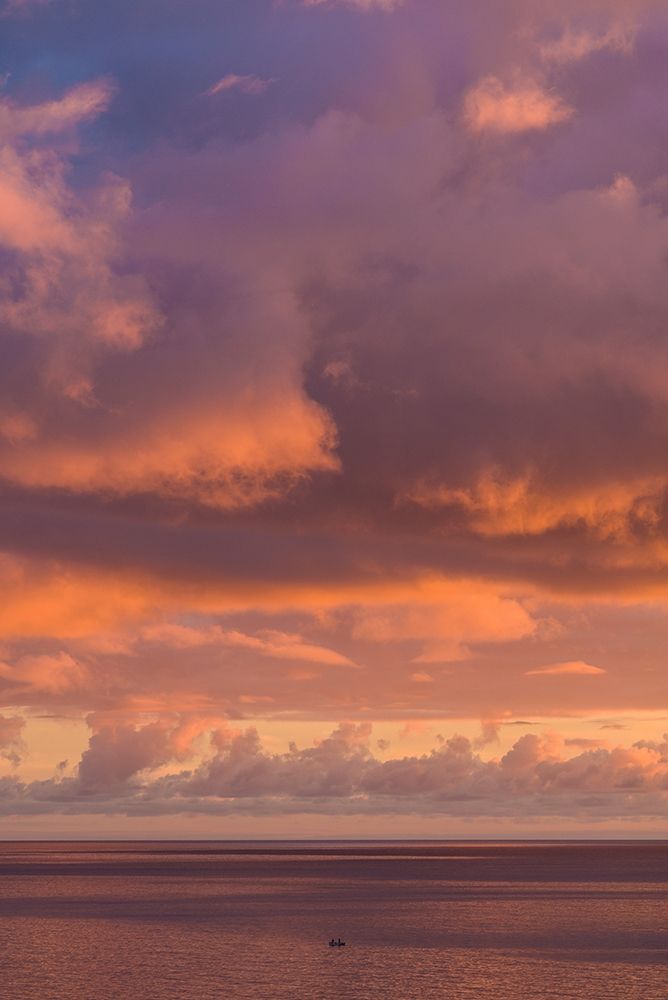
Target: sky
{"points": [[333, 418]]}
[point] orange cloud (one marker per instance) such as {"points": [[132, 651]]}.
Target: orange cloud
{"points": [[570, 668], [17, 427], [235, 453], [503, 505], [32, 676], [447, 618], [270, 642]]}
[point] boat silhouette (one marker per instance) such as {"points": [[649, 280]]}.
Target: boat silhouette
{"points": [[337, 944]]}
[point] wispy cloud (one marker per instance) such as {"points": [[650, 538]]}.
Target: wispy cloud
{"points": [[244, 84], [569, 668], [359, 4], [574, 44], [270, 642]]}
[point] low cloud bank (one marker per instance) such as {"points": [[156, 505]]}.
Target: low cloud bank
{"points": [[341, 775]]}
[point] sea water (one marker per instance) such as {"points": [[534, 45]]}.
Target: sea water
{"points": [[537, 921]]}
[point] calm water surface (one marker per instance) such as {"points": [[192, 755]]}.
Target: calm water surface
{"points": [[235, 921]]}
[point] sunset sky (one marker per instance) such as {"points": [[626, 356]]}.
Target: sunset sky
{"points": [[333, 418]]}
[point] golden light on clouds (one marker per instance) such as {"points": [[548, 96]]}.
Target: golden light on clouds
{"points": [[333, 420]]}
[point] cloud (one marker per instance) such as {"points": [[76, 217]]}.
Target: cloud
{"points": [[270, 642], [570, 668], [574, 45], [340, 775], [491, 106], [11, 741], [47, 598], [81, 103], [447, 620], [582, 743], [495, 505], [35, 677], [360, 4], [118, 751], [60, 290], [116, 754], [245, 84], [222, 457], [334, 378]]}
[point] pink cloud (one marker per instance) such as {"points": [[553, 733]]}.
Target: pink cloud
{"points": [[245, 84], [83, 102], [123, 769], [491, 106], [64, 293], [573, 45], [570, 668], [360, 4]]}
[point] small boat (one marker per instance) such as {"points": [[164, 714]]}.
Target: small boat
{"points": [[337, 944]]}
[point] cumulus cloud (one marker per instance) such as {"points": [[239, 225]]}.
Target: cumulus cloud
{"points": [[119, 751], [492, 106], [61, 299], [58, 283], [60, 287], [340, 774]]}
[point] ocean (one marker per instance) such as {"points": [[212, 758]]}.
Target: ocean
{"points": [[234, 921]]}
